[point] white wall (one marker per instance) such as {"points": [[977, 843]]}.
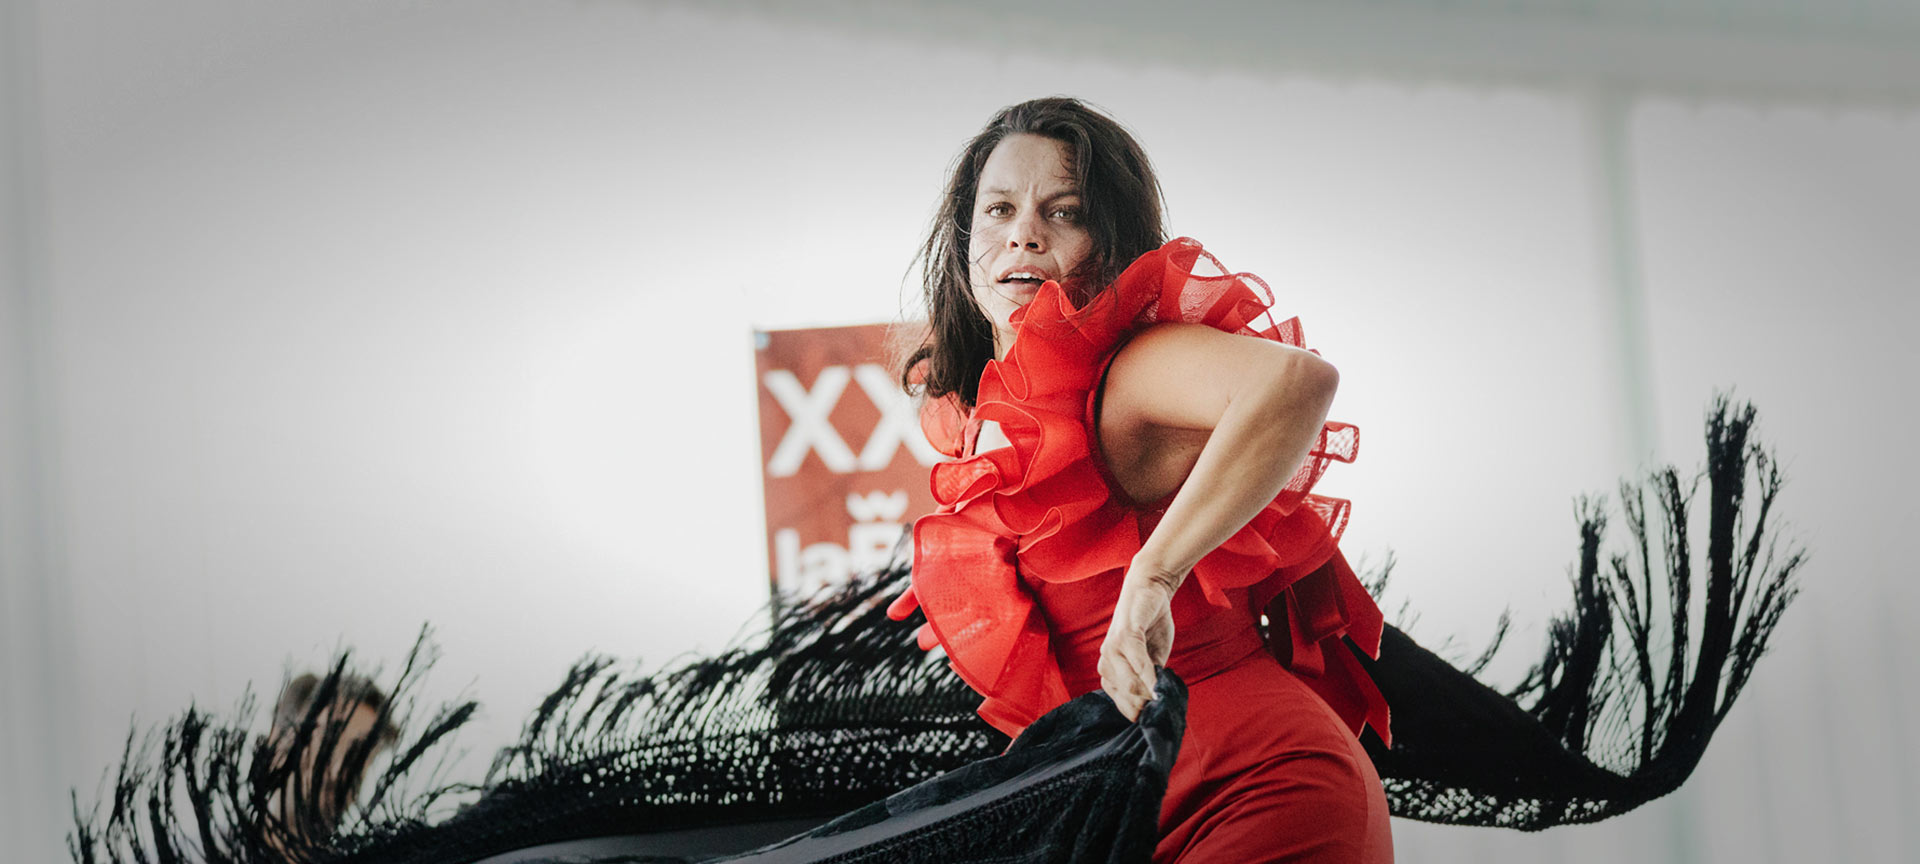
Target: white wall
{"points": [[354, 316], [1781, 253], [36, 664]]}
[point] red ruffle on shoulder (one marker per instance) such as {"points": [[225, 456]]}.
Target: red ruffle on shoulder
{"points": [[1044, 508]]}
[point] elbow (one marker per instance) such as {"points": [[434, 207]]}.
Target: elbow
{"points": [[1297, 387], [1306, 381], [1318, 377], [1283, 385]]}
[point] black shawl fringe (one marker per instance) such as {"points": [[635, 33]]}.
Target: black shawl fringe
{"points": [[1634, 679], [833, 708], [205, 791]]}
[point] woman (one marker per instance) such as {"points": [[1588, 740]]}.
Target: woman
{"points": [[1150, 501]]}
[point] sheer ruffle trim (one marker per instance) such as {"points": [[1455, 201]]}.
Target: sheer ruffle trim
{"points": [[1043, 506]]}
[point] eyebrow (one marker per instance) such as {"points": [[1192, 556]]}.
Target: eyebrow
{"points": [[1001, 190]]}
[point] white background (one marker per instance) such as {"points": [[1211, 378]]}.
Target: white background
{"points": [[326, 320]]}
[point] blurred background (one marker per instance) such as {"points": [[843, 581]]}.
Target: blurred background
{"points": [[323, 320]]}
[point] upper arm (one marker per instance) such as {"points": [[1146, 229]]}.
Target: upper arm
{"points": [[1183, 377]]}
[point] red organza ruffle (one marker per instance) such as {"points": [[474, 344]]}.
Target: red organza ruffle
{"points": [[1044, 507]]}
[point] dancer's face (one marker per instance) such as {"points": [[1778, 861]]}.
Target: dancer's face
{"points": [[1027, 227]]}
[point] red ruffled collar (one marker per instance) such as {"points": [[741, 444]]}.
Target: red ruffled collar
{"points": [[1043, 506]]}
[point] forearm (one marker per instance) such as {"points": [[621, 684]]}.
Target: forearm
{"points": [[1259, 442]]}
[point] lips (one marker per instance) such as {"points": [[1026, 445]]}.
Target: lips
{"points": [[1025, 274]]}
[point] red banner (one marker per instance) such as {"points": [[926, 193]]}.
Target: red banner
{"points": [[843, 460]]}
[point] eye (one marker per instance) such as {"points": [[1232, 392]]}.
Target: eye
{"points": [[999, 209], [1067, 214]]}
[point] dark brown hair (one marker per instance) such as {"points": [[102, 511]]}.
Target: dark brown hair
{"points": [[297, 698], [1121, 205]]}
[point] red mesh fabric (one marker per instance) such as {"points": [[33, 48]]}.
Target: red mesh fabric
{"points": [[1044, 508]]}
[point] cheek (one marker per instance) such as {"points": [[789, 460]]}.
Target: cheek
{"points": [[979, 243], [978, 276], [1081, 250]]}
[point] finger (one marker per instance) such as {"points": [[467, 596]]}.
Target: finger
{"points": [[1127, 672], [1160, 645], [1128, 703], [902, 606], [925, 637], [1125, 689], [1120, 700], [1140, 669]]}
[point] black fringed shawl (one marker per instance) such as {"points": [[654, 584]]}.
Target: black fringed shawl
{"points": [[837, 709], [1605, 722]]}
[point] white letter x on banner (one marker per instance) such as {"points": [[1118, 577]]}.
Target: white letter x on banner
{"points": [[898, 422], [811, 429]]}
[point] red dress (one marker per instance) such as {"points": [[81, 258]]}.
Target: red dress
{"points": [[1019, 569]]}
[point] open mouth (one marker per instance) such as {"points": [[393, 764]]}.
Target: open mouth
{"points": [[1024, 278]]}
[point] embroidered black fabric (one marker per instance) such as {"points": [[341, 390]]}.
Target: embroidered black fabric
{"points": [[1097, 777], [834, 711]]}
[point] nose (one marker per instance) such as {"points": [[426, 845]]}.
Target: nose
{"points": [[1027, 231]]}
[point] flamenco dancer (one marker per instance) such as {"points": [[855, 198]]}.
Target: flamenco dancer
{"points": [[1153, 649], [1151, 499]]}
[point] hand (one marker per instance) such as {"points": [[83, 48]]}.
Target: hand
{"points": [[903, 608], [1138, 640]]}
